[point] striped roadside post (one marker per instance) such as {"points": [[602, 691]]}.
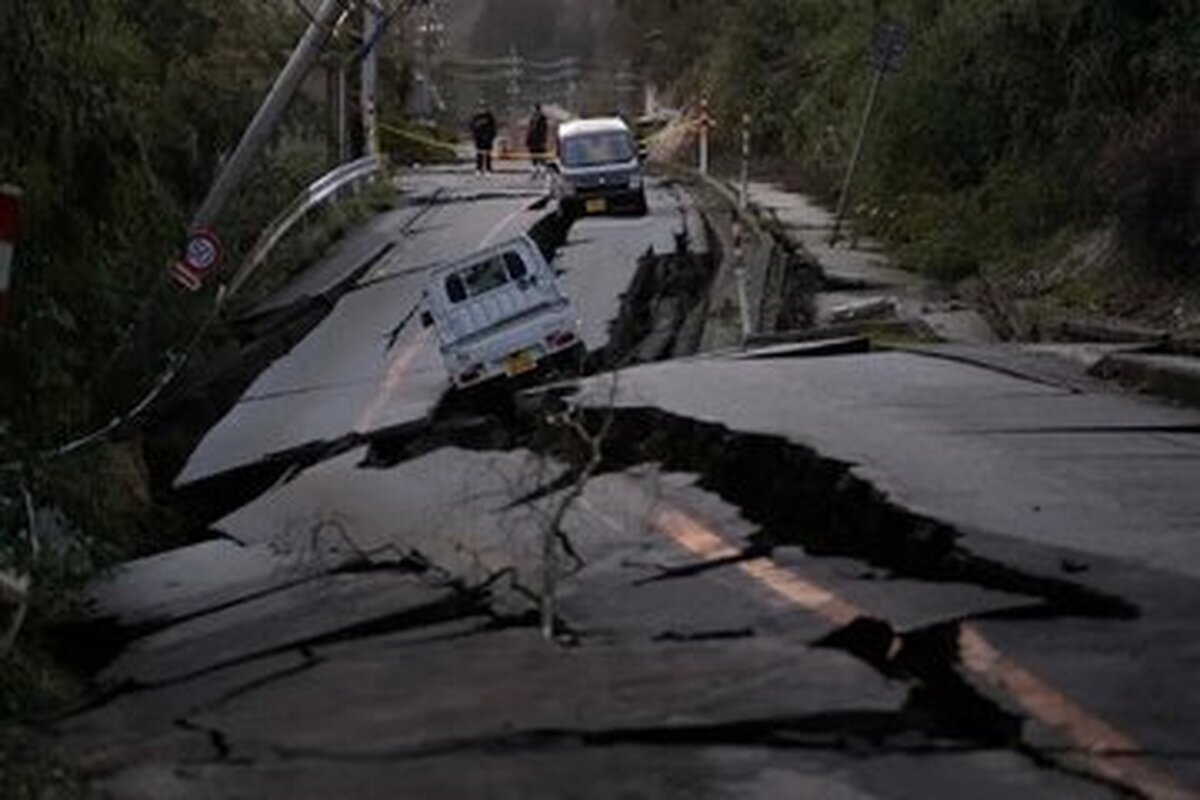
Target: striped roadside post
{"points": [[10, 221]]}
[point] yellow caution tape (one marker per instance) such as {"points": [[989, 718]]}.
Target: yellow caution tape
{"points": [[506, 155], [428, 141]]}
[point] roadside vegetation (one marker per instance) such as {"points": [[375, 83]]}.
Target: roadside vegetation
{"points": [[117, 116], [1045, 146]]}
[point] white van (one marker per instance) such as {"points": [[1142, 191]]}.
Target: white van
{"points": [[599, 168], [499, 313]]}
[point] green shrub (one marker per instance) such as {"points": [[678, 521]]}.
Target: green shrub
{"points": [[1153, 173]]}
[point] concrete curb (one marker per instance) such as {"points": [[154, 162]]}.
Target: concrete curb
{"points": [[719, 208], [1174, 377]]}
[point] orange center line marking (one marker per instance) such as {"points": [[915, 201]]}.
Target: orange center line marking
{"points": [[698, 539], [395, 376], [403, 360], [1107, 752]]}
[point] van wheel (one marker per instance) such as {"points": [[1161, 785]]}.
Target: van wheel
{"points": [[567, 364], [639, 204], [569, 210]]}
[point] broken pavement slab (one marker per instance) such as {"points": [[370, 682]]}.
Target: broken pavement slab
{"points": [[934, 435], [859, 281], [327, 608], [134, 727], [906, 605], [335, 696], [715, 719], [1126, 678], [453, 507], [1171, 376], [818, 348], [960, 325], [860, 265], [368, 365], [1095, 514], [533, 686], [741, 772], [189, 581], [602, 255]]}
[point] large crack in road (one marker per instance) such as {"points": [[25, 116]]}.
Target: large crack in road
{"points": [[726, 589]]}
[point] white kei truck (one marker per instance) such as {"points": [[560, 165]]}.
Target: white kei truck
{"points": [[499, 313]]}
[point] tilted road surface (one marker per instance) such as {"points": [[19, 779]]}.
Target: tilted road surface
{"points": [[799, 572]]}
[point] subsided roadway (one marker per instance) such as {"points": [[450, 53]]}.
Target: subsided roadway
{"points": [[809, 571]]}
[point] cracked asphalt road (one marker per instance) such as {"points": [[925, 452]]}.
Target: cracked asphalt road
{"points": [[814, 573]]}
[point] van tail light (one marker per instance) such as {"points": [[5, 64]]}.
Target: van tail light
{"points": [[471, 375], [560, 339]]}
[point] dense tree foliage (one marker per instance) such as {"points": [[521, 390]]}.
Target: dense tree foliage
{"points": [[116, 115], [1008, 121], [539, 29]]}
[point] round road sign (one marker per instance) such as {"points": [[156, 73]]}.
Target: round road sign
{"points": [[203, 252]]}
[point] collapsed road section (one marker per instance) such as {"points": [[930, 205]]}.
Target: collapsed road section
{"points": [[793, 571], [370, 367], [1093, 516]]}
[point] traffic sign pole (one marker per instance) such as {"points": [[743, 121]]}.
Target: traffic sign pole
{"points": [[844, 197], [10, 222], [888, 49], [201, 258]]}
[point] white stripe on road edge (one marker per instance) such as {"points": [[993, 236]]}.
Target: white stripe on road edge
{"points": [[504, 223], [396, 373]]}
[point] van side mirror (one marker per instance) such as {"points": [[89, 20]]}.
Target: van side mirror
{"points": [[426, 319]]}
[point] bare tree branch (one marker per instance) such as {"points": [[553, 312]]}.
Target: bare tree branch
{"points": [[553, 535]]}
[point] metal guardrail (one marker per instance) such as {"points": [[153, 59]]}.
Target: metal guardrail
{"points": [[320, 191], [317, 193]]}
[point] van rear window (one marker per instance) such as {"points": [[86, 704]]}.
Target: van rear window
{"points": [[594, 149], [456, 290], [485, 276], [516, 266]]}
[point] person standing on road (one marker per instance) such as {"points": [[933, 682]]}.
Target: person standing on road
{"points": [[537, 139], [483, 130]]}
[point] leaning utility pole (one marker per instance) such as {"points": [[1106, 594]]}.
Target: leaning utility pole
{"points": [[244, 157], [372, 22]]}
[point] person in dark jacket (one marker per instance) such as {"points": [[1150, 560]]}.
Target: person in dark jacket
{"points": [[483, 130], [537, 140]]}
